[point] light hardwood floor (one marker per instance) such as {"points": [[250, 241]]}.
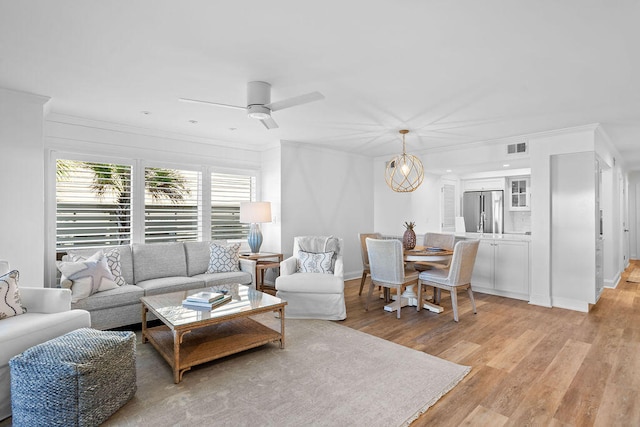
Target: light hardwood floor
{"points": [[530, 365]]}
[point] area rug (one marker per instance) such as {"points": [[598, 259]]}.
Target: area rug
{"points": [[328, 375], [634, 276]]}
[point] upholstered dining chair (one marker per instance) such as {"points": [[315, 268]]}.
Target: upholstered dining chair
{"points": [[365, 256], [386, 263], [458, 276], [436, 240]]}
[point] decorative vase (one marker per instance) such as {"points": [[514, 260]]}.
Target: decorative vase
{"points": [[409, 239]]}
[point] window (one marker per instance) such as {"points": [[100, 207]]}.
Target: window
{"points": [[93, 204], [101, 204], [171, 205], [227, 191]]}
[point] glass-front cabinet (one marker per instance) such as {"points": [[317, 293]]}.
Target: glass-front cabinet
{"points": [[519, 194]]}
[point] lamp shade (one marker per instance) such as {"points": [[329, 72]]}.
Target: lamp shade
{"points": [[255, 212]]}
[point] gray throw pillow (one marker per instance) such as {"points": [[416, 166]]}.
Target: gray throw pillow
{"points": [[224, 258]]}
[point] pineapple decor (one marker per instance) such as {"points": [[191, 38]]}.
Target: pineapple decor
{"points": [[409, 237]]}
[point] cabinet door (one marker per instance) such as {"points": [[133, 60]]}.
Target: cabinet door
{"points": [[483, 269], [519, 194], [512, 267]]}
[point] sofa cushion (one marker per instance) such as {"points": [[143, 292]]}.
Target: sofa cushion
{"points": [[211, 279], [198, 255], [315, 283], [165, 285], [224, 258], [122, 295], [126, 260], [21, 332], [10, 304], [157, 260]]}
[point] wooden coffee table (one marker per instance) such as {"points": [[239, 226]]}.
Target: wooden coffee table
{"points": [[190, 337]]}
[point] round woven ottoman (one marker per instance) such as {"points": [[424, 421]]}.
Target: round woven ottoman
{"points": [[78, 379]]}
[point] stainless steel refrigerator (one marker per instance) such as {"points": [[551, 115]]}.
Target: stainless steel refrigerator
{"points": [[483, 211]]}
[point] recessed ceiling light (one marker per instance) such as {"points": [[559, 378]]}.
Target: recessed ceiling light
{"points": [[193, 122], [146, 113], [506, 165], [449, 170]]}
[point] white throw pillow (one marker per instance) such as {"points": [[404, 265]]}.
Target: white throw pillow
{"points": [[224, 258], [10, 304], [87, 277], [314, 262], [113, 260]]}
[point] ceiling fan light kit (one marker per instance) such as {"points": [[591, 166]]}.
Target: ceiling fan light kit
{"points": [[259, 105], [404, 173]]}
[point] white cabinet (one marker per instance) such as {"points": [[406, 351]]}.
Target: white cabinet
{"points": [[576, 244], [502, 268], [519, 194], [483, 184]]}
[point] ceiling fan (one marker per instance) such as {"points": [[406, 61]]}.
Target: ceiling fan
{"points": [[259, 105]]}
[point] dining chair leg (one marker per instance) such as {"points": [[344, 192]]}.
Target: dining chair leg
{"points": [[454, 303], [473, 302], [371, 286], [364, 277], [419, 305], [399, 300]]}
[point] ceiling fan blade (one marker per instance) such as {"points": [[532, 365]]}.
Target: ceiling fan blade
{"points": [[269, 123], [296, 100], [215, 104]]}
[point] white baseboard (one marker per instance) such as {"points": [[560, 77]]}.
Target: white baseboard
{"points": [[541, 300], [570, 304]]}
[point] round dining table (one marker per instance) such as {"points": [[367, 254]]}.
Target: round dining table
{"points": [[409, 296]]}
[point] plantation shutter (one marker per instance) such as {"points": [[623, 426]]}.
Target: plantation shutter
{"points": [[227, 191], [171, 205], [93, 204]]}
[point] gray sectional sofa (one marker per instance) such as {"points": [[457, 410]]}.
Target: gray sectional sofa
{"points": [[157, 268]]}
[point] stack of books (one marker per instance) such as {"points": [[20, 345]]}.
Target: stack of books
{"points": [[205, 300]]}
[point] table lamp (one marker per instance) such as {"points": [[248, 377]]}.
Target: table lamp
{"points": [[255, 213]]}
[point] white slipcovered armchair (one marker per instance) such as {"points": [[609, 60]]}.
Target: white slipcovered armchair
{"points": [[313, 295], [48, 316]]}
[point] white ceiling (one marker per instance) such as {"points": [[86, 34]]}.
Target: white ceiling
{"points": [[452, 72]]}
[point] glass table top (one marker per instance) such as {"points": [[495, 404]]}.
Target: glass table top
{"points": [[243, 299]]}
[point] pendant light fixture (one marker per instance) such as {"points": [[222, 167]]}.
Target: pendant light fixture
{"points": [[404, 172]]}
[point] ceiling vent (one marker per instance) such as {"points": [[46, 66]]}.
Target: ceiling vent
{"points": [[519, 148]]}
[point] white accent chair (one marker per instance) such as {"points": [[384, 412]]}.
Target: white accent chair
{"points": [[386, 261], [313, 295], [457, 276], [48, 316]]}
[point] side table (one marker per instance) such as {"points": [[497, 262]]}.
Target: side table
{"points": [[264, 261]]}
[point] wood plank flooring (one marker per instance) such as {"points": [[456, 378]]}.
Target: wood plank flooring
{"points": [[530, 365]]}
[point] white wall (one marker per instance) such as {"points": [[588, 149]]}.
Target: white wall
{"points": [[271, 181], [22, 184], [326, 192]]}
